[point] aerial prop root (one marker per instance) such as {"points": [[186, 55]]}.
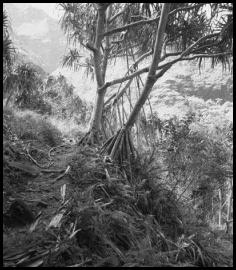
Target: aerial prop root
{"points": [[119, 147], [90, 138]]}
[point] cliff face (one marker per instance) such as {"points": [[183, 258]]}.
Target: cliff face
{"points": [[35, 32]]}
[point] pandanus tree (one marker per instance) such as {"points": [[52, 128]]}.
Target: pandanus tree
{"points": [[120, 146], [28, 83], [8, 48], [8, 57], [86, 23], [169, 33], [89, 26], [195, 37]]}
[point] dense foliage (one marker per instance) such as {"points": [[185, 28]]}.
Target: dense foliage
{"points": [[164, 203]]}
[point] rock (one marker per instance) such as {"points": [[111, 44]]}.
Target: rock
{"points": [[19, 214]]}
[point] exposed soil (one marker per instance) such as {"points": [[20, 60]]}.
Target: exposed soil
{"points": [[42, 196]]}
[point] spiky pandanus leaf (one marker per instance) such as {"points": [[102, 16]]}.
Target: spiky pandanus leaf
{"points": [[72, 59], [8, 48]]}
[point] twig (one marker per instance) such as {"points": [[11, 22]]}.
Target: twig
{"points": [[80, 264], [53, 148], [35, 162], [61, 175], [52, 171]]}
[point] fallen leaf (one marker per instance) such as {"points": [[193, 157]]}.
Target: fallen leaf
{"points": [[55, 222], [35, 263], [33, 225], [63, 192]]}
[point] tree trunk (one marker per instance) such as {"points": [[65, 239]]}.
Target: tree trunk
{"points": [[151, 78], [96, 120], [107, 44], [120, 146], [220, 208], [229, 206], [100, 70], [9, 97]]}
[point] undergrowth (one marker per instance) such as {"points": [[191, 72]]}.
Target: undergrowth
{"points": [[28, 125], [144, 214], [109, 221]]}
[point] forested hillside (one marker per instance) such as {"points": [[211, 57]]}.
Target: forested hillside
{"points": [[118, 135]]}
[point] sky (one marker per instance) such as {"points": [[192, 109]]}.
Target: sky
{"points": [[51, 9]]}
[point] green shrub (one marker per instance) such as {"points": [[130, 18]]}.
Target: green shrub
{"points": [[49, 134], [28, 125], [196, 162]]}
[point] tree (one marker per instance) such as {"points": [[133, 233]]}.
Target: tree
{"points": [[28, 80], [8, 49], [83, 25], [205, 42], [10, 86], [123, 134], [8, 57], [86, 24], [131, 31]]}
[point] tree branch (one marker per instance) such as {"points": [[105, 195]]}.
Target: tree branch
{"points": [[128, 26], [123, 79], [207, 55], [118, 95], [115, 16], [188, 50], [131, 68], [141, 58], [206, 46], [90, 47], [142, 22], [169, 64], [169, 55]]}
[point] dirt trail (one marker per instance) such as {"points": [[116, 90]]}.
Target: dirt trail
{"points": [[42, 195], [44, 187]]}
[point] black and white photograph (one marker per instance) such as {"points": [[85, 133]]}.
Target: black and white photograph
{"points": [[117, 134]]}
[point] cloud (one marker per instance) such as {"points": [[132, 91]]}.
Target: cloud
{"points": [[50, 8], [35, 29]]}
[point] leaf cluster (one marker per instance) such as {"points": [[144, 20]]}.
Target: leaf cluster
{"points": [[8, 48]]}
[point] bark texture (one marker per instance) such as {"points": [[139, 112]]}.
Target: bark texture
{"points": [[151, 78], [100, 66]]}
